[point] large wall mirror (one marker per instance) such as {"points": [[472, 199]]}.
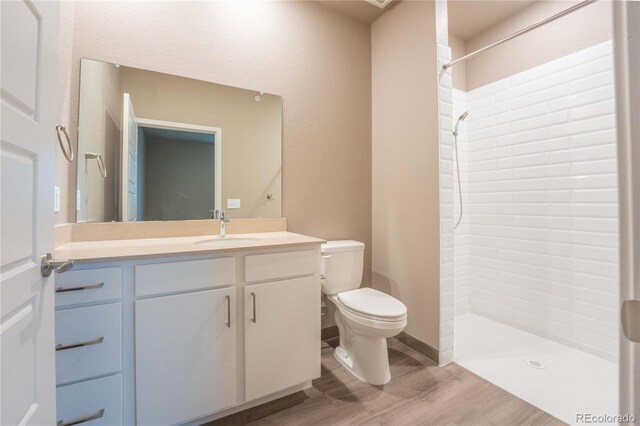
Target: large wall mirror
{"points": [[154, 146]]}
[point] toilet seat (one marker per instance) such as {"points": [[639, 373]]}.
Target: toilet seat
{"points": [[373, 324], [371, 304]]}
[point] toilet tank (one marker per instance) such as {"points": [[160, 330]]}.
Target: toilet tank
{"points": [[341, 266]]}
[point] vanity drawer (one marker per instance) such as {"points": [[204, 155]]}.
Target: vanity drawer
{"points": [[88, 286], [98, 399], [159, 278], [88, 342], [274, 266]]}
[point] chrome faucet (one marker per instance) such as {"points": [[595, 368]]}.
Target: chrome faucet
{"points": [[222, 215], [223, 224]]}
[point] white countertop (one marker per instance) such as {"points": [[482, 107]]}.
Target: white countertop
{"points": [[111, 250]]}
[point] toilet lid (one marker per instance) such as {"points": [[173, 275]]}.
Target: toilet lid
{"points": [[374, 303]]}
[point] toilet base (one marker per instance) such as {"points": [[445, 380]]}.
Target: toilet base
{"points": [[347, 362], [363, 344], [363, 352]]}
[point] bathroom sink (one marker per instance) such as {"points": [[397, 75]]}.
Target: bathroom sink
{"points": [[228, 241]]}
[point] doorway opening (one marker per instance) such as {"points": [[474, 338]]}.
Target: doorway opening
{"points": [[176, 172]]}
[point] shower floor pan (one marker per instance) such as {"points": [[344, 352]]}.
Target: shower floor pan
{"points": [[558, 379]]}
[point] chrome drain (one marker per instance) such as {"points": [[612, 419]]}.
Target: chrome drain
{"points": [[533, 363]]}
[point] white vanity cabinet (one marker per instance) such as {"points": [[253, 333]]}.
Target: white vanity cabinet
{"points": [[187, 339], [89, 346], [280, 333], [185, 356], [281, 338]]}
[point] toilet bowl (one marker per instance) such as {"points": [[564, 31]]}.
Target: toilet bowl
{"points": [[365, 317]]}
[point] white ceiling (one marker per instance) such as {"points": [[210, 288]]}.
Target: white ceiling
{"points": [[359, 9], [468, 18]]}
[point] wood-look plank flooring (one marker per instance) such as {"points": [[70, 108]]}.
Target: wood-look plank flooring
{"points": [[419, 393]]}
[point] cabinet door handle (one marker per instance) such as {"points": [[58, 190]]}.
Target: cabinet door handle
{"points": [[228, 311], [61, 347], [84, 287], [253, 296], [82, 419]]}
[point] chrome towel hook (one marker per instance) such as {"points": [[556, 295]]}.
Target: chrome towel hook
{"points": [[98, 157], [68, 153]]}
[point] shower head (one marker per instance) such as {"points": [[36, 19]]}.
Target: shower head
{"points": [[461, 118]]}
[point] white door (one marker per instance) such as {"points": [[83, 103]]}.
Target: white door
{"points": [[281, 335], [29, 33], [129, 161], [185, 356], [627, 65]]}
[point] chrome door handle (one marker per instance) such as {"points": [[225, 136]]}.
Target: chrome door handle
{"points": [[630, 318], [48, 265], [84, 287], [228, 311], [61, 347], [253, 296], [98, 414]]}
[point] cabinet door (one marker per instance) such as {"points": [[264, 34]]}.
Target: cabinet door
{"points": [[282, 335], [185, 356]]}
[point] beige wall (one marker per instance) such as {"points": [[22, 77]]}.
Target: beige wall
{"points": [[251, 132], [317, 59], [405, 163], [99, 132], [586, 27], [459, 71]]}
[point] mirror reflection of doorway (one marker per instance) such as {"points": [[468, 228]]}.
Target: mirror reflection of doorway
{"points": [[170, 171], [175, 174]]}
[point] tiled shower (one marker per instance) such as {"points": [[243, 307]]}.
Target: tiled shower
{"points": [[536, 249]]}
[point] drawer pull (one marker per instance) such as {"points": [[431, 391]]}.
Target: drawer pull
{"points": [[84, 287], [253, 296], [78, 420], [229, 311], [61, 347]]}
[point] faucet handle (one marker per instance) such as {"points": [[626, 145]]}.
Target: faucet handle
{"points": [[215, 214], [223, 216]]}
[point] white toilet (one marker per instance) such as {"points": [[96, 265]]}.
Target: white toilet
{"points": [[365, 317]]}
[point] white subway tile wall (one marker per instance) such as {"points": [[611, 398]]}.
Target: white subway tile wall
{"points": [[446, 209], [537, 245], [461, 235]]}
